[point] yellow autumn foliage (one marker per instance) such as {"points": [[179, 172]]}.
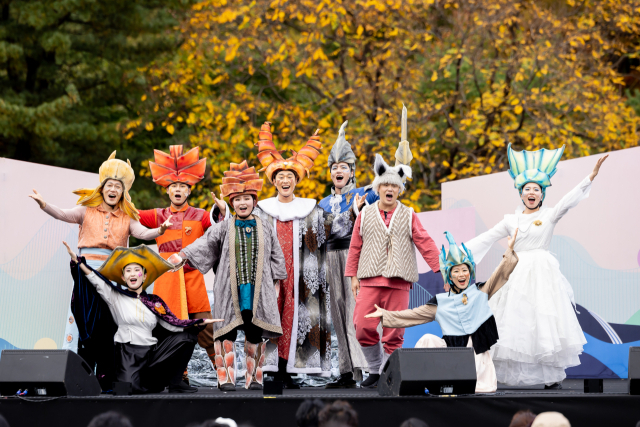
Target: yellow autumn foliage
{"points": [[475, 75]]}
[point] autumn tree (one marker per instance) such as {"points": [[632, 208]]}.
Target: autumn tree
{"points": [[474, 74]]}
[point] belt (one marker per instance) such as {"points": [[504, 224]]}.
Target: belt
{"points": [[338, 244]]}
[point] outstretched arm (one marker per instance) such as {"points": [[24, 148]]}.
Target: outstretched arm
{"points": [[501, 274], [74, 258], [405, 318], [425, 244], [220, 210], [103, 289], [578, 194], [480, 245], [73, 216]]}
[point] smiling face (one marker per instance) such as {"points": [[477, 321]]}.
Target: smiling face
{"points": [[531, 195], [285, 182], [389, 193], [340, 174], [460, 276], [178, 193], [134, 276], [112, 191], [243, 205]]}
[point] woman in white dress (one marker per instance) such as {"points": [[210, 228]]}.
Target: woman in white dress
{"points": [[539, 332]]}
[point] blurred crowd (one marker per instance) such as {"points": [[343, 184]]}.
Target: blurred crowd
{"points": [[316, 413]]}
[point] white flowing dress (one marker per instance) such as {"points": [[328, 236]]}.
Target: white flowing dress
{"points": [[539, 332]]}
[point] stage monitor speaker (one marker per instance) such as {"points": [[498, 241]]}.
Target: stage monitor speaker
{"points": [[634, 370], [46, 373], [420, 371]]}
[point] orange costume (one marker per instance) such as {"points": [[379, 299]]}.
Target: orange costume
{"points": [[184, 291]]}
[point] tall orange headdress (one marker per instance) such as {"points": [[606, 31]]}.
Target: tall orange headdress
{"points": [[177, 167], [240, 179], [272, 161]]}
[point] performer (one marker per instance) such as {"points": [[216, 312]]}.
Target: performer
{"points": [[382, 263], [540, 335], [303, 302], [464, 317], [246, 255], [184, 291], [341, 212], [107, 218], [149, 358]]}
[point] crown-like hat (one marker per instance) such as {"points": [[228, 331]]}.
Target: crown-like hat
{"points": [[533, 166], [272, 161], [455, 257], [177, 167], [153, 263], [241, 179]]}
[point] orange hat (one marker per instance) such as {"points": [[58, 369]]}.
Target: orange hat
{"points": [[240, 179], [272, 160], [177, 167]]}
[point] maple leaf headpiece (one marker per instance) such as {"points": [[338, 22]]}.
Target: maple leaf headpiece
{"points": [[177, 167], [272, 161]]}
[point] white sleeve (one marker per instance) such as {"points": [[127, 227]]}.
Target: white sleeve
{"points": [[105, 291], [169, 327], [480, 245], [227, 213], [571, 199]]}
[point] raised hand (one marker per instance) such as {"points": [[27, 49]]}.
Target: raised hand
{"points": [[175, 259], [222, 206], [596, 168], [71, 253], [165, 225], [38, 198], [360, 201], [511, 241], [377, 313]]}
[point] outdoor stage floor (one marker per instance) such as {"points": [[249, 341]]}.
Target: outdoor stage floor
{"points": [[614, 407]]}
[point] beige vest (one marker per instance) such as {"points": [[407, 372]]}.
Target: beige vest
{"points": [[387, 252]]}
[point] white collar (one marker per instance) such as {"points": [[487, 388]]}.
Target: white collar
{"points": [[296, 209]]}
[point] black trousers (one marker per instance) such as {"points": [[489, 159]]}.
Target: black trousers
{"points": [[150, 369], [252, 332]]}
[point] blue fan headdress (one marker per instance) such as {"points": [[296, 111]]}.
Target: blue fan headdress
{"points": [[455, 257], [533, 166]]}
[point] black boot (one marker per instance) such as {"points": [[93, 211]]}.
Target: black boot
{"points": [[371, 381], [285, 376], [345, 381], [182, 387]]}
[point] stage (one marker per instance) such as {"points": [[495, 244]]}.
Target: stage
{"points": [[613, 407]]}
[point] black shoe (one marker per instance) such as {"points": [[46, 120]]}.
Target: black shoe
{"points": [[182, 388], [371, 381], [255, 386], [345, 381], [227, 387], [555, 386]]}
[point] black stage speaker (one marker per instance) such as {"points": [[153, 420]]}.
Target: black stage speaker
{"points": [[634, 370], [46, 373], [592, 385], [412, 371]]}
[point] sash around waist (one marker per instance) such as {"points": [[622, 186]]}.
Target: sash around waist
{"points": [[338, 244]]}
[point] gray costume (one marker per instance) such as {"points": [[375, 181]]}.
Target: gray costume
{"points": [[213, 250]]}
